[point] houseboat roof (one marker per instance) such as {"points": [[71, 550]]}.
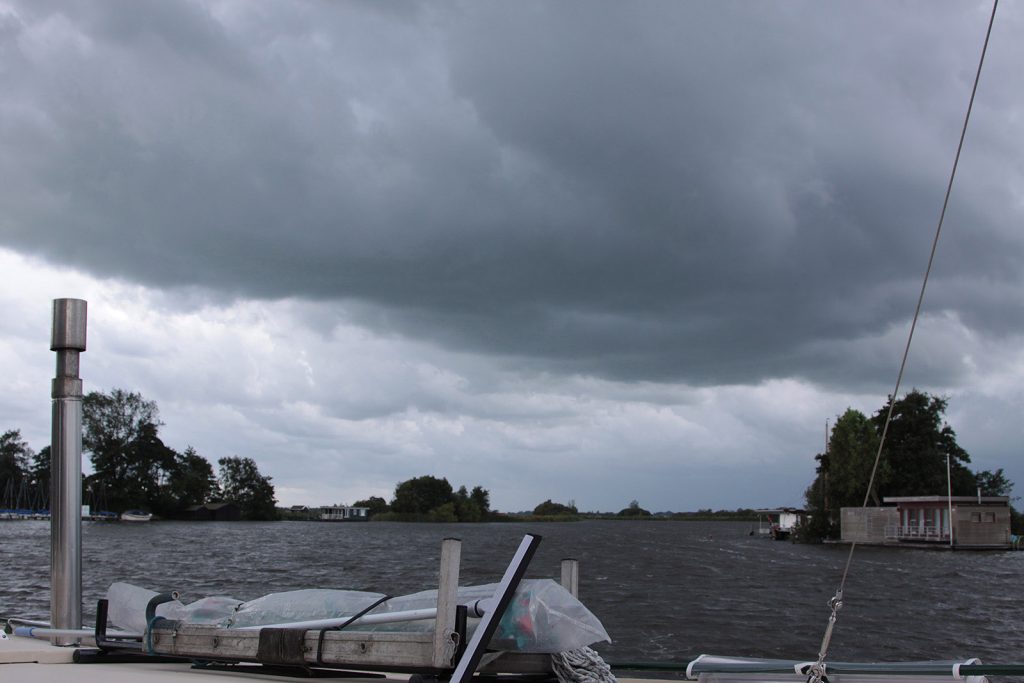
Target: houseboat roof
{"points": [[982, 500]]}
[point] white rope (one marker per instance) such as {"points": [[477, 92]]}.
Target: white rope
{"points": [[581, 666]]}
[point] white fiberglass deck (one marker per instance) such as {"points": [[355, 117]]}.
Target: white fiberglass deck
{"points": [[24, 660]]}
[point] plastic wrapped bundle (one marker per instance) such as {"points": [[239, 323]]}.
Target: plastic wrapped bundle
{"points": [[543, 617], [301, 605], [126, 607]]}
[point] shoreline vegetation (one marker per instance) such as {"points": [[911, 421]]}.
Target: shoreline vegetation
{"points": [[429, 499], [739, 515], [133, 469]]}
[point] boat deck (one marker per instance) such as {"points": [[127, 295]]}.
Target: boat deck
{"points": [[24, 660], [36, 661]]}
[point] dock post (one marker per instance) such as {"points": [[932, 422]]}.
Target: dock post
{"points": [[447, 600], [571, 576], [68, 340]]}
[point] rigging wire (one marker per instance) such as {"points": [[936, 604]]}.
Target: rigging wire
{"points": [[817, 671]]}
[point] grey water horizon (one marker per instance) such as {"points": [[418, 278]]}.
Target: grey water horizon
{"points": [[665, 591]]}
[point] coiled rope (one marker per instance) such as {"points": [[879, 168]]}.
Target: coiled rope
{"points": [[583, 665]]}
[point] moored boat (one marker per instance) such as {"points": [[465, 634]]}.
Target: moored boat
{"points": [[781, 523], [136, 516]]}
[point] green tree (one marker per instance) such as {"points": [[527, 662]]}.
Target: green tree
{"points": [[39, 469], [993, 483], [634, 510], [819, 523], [15, 483], [150, 467], [917, 446], [120, 433], [242, 484], [842, 475], [549, 509], [466, 508], [852, 449], [191, 480], [39, 477], [482, 498], [14, 459], [420, 495], [444, 513]]}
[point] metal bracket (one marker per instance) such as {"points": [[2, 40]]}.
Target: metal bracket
{"points": [[502, 597]]}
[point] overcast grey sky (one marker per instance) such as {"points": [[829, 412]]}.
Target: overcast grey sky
{"points": [[588, 251]]}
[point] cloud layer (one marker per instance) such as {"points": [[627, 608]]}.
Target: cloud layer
{"points": [[667, 240]]}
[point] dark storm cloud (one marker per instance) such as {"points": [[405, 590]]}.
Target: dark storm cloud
{"points": [[713, 193]]}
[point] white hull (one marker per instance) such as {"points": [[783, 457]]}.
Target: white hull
{"points": [[136, 517]]}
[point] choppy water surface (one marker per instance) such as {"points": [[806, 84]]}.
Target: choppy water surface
{"points": [[664, 591]]}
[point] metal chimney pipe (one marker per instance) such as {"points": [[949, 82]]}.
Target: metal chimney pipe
{"points": [[68, 340]]}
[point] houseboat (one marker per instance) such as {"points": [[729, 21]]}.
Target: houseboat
{"points": [[780, 523], [965, 522], [343, 513]]}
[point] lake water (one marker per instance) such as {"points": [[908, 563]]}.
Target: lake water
{"points": [[665, 591]]}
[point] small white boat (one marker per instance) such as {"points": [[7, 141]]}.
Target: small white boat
{"points": [[135, 516]]}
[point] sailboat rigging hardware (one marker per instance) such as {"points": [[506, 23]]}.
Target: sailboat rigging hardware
{"points": [[817, 673]]}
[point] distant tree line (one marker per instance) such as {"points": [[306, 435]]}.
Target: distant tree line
{"points": [[132, 467], [551, 509], [429, 499], [913, 462], [24, 474], [634, 510]]}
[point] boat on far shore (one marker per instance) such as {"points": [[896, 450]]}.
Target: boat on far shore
{"points": [[136, 516], [781, 523]]}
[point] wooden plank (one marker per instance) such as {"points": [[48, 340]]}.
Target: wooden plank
{"points": [[445, 638], [570, 578], [351, 649], [340, 648]]}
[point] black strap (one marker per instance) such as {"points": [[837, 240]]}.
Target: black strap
{"points": [[281, 646], [358, 615]]}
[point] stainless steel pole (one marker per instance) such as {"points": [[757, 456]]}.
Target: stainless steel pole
{"points": [[949, 497], [68, 340]]}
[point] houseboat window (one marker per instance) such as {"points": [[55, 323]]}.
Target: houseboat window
{"points": [[975, 516], [990, 517]]}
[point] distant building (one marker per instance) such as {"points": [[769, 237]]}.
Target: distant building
{"points": [[978, 522], [782, 522], [344, 513]]}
